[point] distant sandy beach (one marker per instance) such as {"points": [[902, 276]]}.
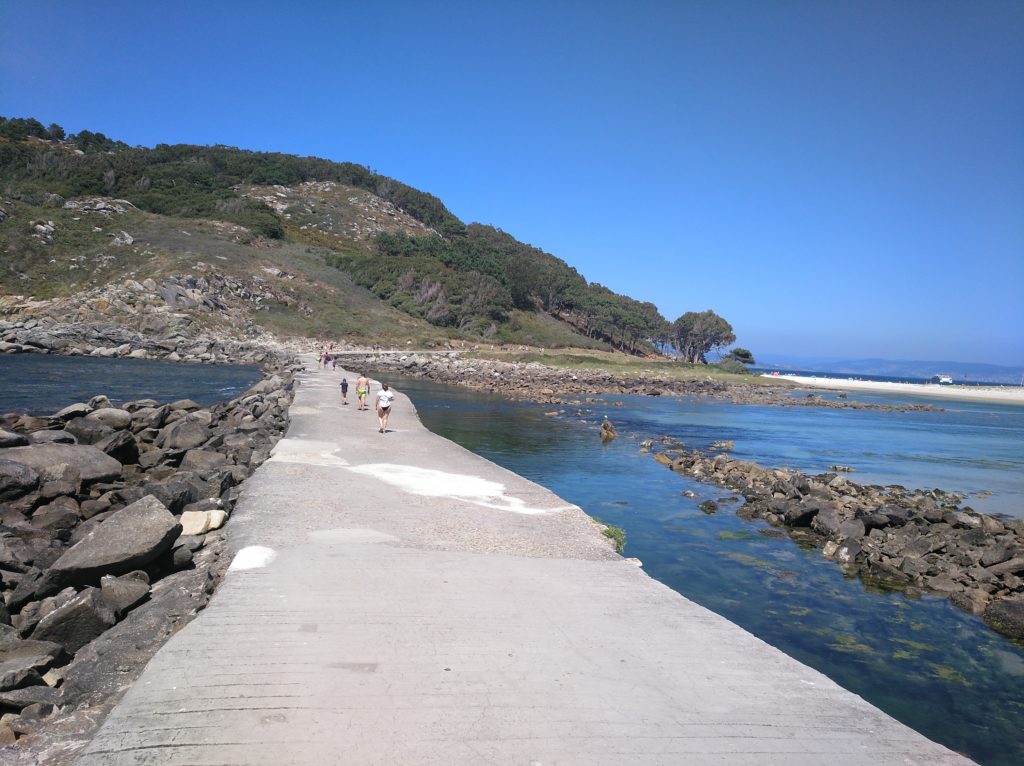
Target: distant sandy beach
{"points": [[1003, 394]]}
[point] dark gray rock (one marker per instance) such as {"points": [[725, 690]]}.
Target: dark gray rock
{"points": [[122, 446], [52, 437], [203, 461], [88, 431], [29, 695], [828, 520], [10, 439], [802, 514], [77, 410], [77, 622], [61, 514], [128, 539], [102, 668], [91, 463], [123, 593], [16, 478], [1006, 616], [26, 588], [186, 433], [21, 661], [177, 490], [14, 554], [851, 528]]}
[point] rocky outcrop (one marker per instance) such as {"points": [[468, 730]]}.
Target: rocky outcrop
{"points": [[917, 540], [554, 385], [94, 569]]}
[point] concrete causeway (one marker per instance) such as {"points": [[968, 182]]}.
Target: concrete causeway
{"points": [[395, 599]]}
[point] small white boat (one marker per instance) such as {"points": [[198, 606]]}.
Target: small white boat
{"points": [[943, 379]]}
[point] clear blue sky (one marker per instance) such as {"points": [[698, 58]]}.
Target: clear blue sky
{"points": [[840, 178]]}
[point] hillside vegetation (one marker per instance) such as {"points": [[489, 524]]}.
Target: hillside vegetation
{"points": [[367, 257]]}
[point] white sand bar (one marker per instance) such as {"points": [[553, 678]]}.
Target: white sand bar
{"points": [[1003, 394], [426, 606]]}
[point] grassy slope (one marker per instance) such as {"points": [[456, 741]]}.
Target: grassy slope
{"points": [[80, 257]]}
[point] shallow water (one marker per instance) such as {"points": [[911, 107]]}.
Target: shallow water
{"points": [[40, 384], [941, 671]]}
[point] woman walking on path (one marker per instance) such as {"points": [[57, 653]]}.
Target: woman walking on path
{"points": [[384, 399], [362, 389]]}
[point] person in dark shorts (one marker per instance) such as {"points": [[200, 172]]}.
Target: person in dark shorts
{"points": [[344, 390]]}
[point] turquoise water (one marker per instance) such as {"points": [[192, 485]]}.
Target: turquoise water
{"points": [[40, 384], [941, 671]]}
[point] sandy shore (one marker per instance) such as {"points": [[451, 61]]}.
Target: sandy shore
{"points": [[1003, 394]]}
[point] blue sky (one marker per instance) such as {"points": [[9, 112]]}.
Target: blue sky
{"points": [[841, 178]]}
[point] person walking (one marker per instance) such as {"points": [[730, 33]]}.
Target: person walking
{"points": [[344, 391], [362, 390], [384, 400]]}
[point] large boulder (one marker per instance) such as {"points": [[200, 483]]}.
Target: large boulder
{"points": [[123, 593], [266, 385], [203, 462], [111, 417], [11, 439], [16, 478], [91, 463], [128, 539], [51, 437], [122, 446], [21, 661], [187, 433], [77, 622], [177, 490], [77, 410], [88, 431]]}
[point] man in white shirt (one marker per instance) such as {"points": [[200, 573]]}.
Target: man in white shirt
{"points": [[384, 399]]}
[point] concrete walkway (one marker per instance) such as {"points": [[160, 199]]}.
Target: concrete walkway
{"points": [[408, 602]]}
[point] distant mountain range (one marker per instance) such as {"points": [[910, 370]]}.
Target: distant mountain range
{"points": [[973, 372]]}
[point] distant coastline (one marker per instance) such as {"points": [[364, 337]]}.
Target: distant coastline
{"points": [[976, 392]]}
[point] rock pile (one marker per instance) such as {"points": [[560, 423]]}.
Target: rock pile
{"points": [[171, 337], [554, 385], [916, 540], [109, 538]]}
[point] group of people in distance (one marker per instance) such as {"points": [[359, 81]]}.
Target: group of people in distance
{"points": [[385, 397]]}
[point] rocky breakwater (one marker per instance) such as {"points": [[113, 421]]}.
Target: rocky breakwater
{"points": [[110, 540], [914, 540], [556, 385]]}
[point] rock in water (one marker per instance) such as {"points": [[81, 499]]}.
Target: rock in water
{"points": [[127, 540], [1007, 617], [608, 431]]}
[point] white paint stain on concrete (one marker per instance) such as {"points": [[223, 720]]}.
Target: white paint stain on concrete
{"points": [[252, 557], [307, 452], [459, 486]]}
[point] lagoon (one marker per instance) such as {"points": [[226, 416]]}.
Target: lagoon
{"points": [[937, 669]]}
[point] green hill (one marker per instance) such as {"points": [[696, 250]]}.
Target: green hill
{"points": [[363, 256]]}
